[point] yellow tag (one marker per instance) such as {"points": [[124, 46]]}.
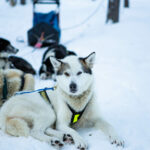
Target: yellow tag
{"points": [[44, 95], [75, 119]]}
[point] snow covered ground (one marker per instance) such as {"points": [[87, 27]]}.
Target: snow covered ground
{"points": [[122, 69]]}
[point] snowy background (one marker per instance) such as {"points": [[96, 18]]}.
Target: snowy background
{"points": [[122, 69]]}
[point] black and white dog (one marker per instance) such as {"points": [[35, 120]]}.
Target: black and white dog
{"points": [[7, 61], [59, 52], [6, 49]]}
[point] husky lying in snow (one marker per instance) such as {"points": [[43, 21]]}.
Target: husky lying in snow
{"points": [[73, 102], [13, 80]]}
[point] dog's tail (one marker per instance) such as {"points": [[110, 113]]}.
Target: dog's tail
{"points": [[17, 126]]}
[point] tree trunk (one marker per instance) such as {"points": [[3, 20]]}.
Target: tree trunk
{"points": [[113, 11]]}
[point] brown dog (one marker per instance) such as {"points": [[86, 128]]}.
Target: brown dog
{"points": [[13, 80]]}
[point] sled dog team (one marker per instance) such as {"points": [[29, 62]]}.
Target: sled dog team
{"points": [[53, 115]]}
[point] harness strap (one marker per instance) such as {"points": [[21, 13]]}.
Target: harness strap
{"points": [[42, 92], [22, 82], [75, 115], [39, 90], [5, 91], [45, 96]]}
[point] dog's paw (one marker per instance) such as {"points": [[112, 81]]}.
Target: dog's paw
{"points": [[56, 143], [67, 138], [77, 140], [116, 140], [81, 145]]}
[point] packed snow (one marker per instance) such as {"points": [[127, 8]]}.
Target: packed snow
{"points": [[122, 68]]}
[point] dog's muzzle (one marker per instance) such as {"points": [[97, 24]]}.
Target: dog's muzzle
{"points": [[73, 88], [12, 49]]}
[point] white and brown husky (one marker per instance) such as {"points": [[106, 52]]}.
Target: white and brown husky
{"points": [[71, 104]]}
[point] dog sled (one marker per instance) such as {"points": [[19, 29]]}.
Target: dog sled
{"points": [[46, 29]]}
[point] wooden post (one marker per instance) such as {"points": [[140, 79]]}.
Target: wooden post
{"points": [[113, 11], [126, 3]]}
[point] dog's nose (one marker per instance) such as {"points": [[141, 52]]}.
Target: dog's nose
{"points": [[73, 87]]}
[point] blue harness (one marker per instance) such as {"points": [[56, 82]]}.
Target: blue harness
{"points": [[42, 92], [39, 90]]}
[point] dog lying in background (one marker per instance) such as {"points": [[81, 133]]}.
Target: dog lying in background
{"points": [[56, 50], [7, 61], [6, 49], [13, 80]]}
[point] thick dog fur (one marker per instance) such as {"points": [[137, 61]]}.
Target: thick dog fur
{"points": [[13, 78], [29, 114], [56, 50]]}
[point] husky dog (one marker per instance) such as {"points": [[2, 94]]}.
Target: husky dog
{"points": [[13, 80], [7, 61], [76, 100], [72, 105], [56, 50], [6, 49]]}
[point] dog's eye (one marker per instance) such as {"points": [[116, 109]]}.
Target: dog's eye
{"points": [[79, 73], [66, 74]]}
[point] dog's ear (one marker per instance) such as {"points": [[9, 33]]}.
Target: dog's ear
{"points": [[56, 63], [90, 59]]}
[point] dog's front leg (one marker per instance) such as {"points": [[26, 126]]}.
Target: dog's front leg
{"points": [[109, 131], [72, 136]]}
